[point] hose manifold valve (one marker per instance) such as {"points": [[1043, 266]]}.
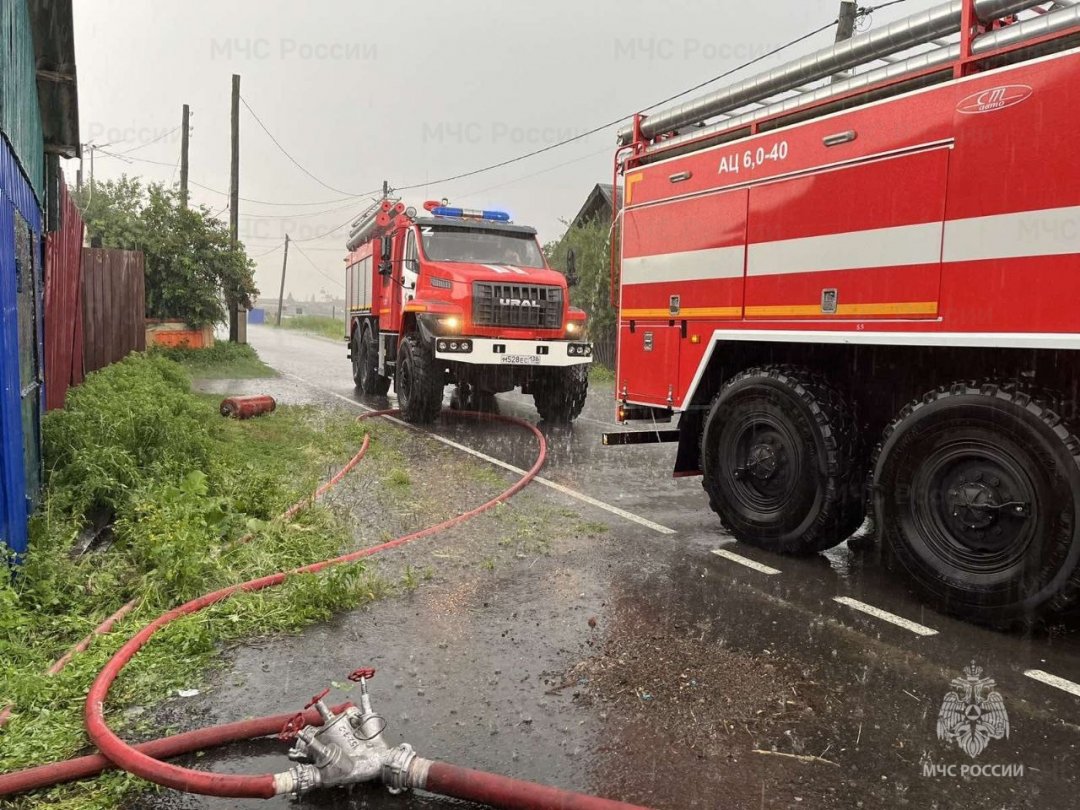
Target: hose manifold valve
{"points": [[347, 749]]}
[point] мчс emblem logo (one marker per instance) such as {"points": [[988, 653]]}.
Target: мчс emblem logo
{"points": [[974, 714]]}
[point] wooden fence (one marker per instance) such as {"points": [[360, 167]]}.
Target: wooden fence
{"points": [[114, 305], [63, 319]]}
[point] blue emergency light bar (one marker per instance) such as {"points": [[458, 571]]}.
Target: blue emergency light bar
{"points": [[470, 213]]}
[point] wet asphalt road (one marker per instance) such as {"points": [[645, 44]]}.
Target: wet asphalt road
{"points": [[466, 670]]}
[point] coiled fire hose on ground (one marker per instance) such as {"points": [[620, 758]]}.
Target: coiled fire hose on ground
{"points": [[143, 760]]}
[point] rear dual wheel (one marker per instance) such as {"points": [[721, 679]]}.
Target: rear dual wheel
{"points": [[976, 491], [365, 363], [781, 461]]}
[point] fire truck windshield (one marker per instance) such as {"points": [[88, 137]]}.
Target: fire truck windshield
{"points": [[481, 247]]}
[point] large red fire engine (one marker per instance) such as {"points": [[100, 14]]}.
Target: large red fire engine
{"points": [[863, 289], [460, 296]]}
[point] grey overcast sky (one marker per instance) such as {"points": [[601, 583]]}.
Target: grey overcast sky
{"points": [[361, 91]]}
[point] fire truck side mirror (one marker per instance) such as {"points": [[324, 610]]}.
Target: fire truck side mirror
{"points": [[385, 266], [571, 268]]}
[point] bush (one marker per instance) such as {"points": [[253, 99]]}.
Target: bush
{"points": [[133, 421]]}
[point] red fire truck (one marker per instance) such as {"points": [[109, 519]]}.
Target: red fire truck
{"points": [[465, 297], [856, 278]]}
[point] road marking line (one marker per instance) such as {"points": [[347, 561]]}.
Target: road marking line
{"points": [[738, 558], [573, 493], [884, 615], [1054, 680]]}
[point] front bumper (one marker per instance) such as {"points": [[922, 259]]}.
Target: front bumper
{"points": [[501, 352]]}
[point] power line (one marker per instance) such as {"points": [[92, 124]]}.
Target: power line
{"points": [[225, 193], [293, 160], [316, 267], [616, 121], [264, 253], [351, 205], [144, 145]]}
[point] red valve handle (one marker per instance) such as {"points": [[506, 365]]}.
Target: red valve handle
{"points": [[318, 697], [292, 728], [367, 673]]}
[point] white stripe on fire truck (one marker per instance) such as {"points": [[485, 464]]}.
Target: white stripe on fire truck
{"points": [[1050, 232], [881, 247], [691, 265]]}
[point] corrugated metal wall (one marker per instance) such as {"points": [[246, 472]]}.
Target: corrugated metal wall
{"points": [[114, 305], [20, 117], [63, 302], [20, 265]]}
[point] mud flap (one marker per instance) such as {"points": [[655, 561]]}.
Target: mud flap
{"points": [[688, 457]]}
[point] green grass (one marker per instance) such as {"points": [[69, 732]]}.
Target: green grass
{"points": [[223, 360], [602, 374], [316, 325], [183, 485]]}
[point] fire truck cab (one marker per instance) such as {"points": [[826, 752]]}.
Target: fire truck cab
{"points": [[465, 297], [859, 293]]}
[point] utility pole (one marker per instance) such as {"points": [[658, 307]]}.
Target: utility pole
{"points": [[184, 156], [281, 295], [845, 28], [237, 314]]}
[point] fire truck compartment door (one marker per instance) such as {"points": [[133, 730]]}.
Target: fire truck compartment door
{"points": [[649, 363], [857, 242], [685, 258]]}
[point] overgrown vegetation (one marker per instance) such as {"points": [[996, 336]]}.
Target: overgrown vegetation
{"points": [[316, 324], [223, 360], [192, 270], [592, 248], [182, 485]]}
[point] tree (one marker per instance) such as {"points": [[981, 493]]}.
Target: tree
{"points": [[192, 271], [592, 248]]}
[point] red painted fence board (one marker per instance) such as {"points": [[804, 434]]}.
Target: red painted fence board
{"points": [[63, 303]]}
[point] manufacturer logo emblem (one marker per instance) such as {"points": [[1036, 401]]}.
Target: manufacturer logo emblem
{"points": [[974, 714], [994, 99], [518, 302]]}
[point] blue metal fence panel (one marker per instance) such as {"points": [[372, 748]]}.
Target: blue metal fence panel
{"points": [[16, 196], [20, 118]]}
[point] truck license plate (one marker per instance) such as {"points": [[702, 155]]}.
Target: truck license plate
{"points": [[521, 359]]}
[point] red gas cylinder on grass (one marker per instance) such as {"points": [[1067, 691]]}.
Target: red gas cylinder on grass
{"points": [[247, 407]]}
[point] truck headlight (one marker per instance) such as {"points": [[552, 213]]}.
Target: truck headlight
{"points": [[575, 328], [450, 323]]}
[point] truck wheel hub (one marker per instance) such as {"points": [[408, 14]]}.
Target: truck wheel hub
{"points": [[762, 462]]}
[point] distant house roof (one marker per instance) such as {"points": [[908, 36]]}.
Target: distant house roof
{"points": [[58, 91], [599, 204]]}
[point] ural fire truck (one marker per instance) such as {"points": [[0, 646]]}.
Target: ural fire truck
{"points": [[856, 279], [465, 297]]}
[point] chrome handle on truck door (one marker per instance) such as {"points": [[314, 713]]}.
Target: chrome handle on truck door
{"points": [[840, 137]]}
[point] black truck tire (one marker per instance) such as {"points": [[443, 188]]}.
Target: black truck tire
{"points": [[559, 394], [365, 362], [418, 381], [976, 490], [782, 462]]}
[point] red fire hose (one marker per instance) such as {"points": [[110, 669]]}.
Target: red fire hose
{"points": [[167, 747], [511, 794], [143, 760]]}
